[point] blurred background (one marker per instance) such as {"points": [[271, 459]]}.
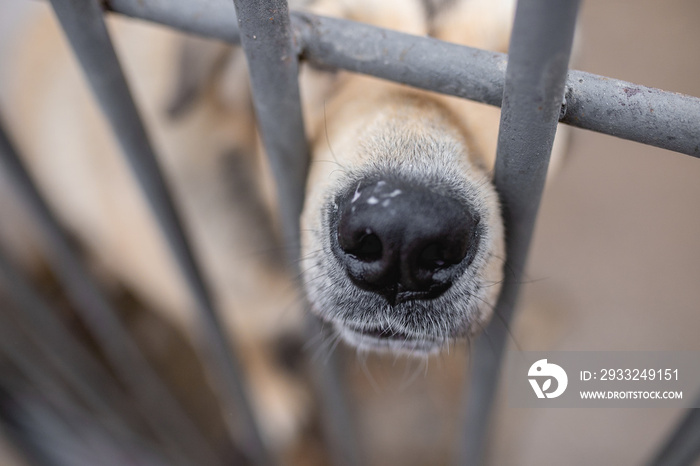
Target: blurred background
{"points": [[615, 265]]}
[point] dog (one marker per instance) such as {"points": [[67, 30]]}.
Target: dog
{"points": [[402, 238]]}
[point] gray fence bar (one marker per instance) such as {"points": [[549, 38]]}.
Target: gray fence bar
{"points": [[535, 94], [274, 68], [534, 87], [206, 18], [48, 378], [651, 116], [422, 62], [339, 430], [273, 62], [84, 26], [682, 447], [629, 111], [626, 110], [71, 359], [164, 414]]}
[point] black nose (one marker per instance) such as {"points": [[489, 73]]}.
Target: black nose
{"points": [[402, 240]]}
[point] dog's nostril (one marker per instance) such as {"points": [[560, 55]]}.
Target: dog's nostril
{"points": [[432, 257], [451, 249], [367, 248]]}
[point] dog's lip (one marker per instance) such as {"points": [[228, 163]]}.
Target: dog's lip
{"points": [[381, 332], [382, 338]]}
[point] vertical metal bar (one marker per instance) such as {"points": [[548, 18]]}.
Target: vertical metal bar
{"points": [[534, 89], [682, 447], [272, 58], [339, 432], [164, 414], [59, 351], [41, 376], [53, 427], [58, 346], [274, 67], [84, 27]]}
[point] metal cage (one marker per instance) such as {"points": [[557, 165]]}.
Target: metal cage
{"points": [[533, 85]]}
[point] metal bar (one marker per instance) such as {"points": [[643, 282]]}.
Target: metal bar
{"points": [[20, 352], [274, 68], [25, 453], [55, 429], [630, 111], [47, 378], [422, 62], [70, 358], [273, 63], [534, 87], [651, 116], [647, 115], [682, 447], [339, 431], [61, 352], [84, 26], [164, 414], [207, 18]]}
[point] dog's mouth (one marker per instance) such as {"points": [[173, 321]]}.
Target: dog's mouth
{"points": [[378, 337], [382, 333]]}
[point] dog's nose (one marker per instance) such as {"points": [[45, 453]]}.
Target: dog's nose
{"points": [[403, 240]]}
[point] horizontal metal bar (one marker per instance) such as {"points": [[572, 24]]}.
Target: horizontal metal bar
{"points": [[163, 412], [84, 27], [534, 86], [629, 111], [422, 62], [651, 116], [215, 19]]}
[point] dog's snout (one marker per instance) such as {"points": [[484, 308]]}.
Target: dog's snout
{"points": [[402, 240]]}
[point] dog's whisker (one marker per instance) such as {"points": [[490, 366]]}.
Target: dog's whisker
{"points": [[362, 355], [498, 315], [326, 161], [407, 382], [337, 338], [325, 345], [328, 141]]}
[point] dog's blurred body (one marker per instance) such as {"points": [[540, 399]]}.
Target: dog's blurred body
{"points": [[211, 155]]}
